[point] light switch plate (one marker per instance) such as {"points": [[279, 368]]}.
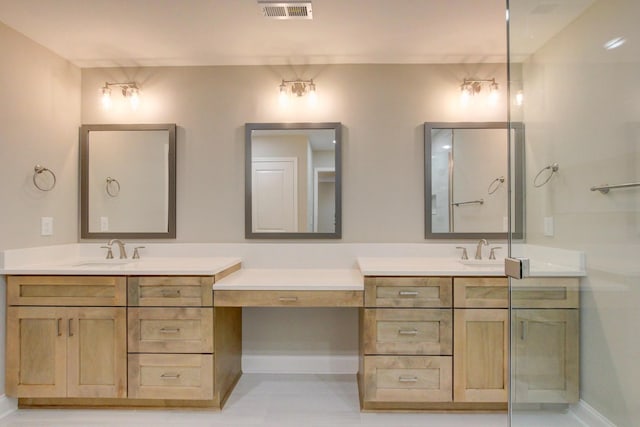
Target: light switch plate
{"points": [[548, 226], [46, 226], [104, 223]]}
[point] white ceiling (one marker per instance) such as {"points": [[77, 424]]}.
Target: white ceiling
{"points": [[105, 33]]}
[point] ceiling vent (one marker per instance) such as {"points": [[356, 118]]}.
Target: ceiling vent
{"points": [[286, 10]]}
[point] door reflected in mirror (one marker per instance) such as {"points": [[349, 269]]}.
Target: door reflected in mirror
{"points": [[292, 176], [467, 179]]}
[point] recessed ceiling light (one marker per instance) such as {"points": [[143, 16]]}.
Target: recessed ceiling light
{"points": [[614, 43]]}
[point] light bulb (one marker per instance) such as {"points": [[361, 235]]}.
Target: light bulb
{"points": [[313, 96], [493, 94], [519, 98], [106, 97], [283, 97], [134, 97]]}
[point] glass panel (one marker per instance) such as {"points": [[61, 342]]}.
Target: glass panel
{"points": [[573, 357]]}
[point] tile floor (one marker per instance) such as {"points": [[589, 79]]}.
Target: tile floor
{"points": [[270, 400]]}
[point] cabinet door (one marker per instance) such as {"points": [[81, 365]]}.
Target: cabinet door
{"points": [[480, 372], [97, 352], [36, 352], [545, 344]]}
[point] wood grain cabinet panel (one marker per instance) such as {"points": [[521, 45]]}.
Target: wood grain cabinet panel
{"points": [[66, 352], [407, 292], [295, 298], [546, 359], [171, 376], [170, 291], [480, 292], [407, 331], [481, 367], [407, 379], [545, 292], [66, 290], [170, 330]]}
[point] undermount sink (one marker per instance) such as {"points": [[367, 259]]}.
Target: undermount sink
{"points": [[482, 262], [103, 263]]}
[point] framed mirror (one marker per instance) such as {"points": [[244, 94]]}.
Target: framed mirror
{"points": [[293, 181], [128, 181], [467, 179]]}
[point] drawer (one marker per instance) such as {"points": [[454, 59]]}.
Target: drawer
{"points": [[480, 292], [170, 330], [408, 379], [102, 291], [545, 292], [409, 292], [407, 331], [171, 291], [226, 298], [171, 376]]}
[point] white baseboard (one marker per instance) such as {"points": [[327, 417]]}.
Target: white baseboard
{"points": [[7, 405], [588, 415], [261, 364]]}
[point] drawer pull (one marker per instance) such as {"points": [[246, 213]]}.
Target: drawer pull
{"points": [[70, 331], [288, 299], [171, 293], [170, 330], [408, 332], [408, 293], [170, 376], [58, 327], [408, 379]]}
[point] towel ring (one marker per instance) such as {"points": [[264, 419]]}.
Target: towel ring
{"points": [[495, 184], [553, 167], [39, 170], [107, 187]]}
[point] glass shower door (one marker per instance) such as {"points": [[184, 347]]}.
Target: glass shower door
{"points": [[575, 311]]}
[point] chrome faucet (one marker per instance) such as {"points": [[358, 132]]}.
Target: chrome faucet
{"points": [[123, 252], [479, 248]]}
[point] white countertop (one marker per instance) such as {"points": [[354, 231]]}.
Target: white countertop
{"points": [[433, 266], [307, 279], [152, 266]]}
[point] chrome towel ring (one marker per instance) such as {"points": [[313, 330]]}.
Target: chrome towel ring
{"points": [[38, 171], [495, 184], [552, 167], [112, 187]]}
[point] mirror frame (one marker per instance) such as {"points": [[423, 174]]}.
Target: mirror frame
{"points": [[248, 223], [84, 182], [518, 179]]}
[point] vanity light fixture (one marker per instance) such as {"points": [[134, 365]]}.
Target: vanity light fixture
{"points": [[298, 88], [471, 87], [129, 90]]}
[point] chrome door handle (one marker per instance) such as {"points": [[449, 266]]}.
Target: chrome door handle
{"points": [[408, 379], [170, 330], [170, 376], [288, 299], [408, 332], [408, 293]]}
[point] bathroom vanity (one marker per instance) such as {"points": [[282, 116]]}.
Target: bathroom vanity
{"points": [[163, 332]]}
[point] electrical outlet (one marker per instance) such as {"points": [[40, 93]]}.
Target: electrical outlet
{"points": [[46, 226], [104, 223], [548, 226]]}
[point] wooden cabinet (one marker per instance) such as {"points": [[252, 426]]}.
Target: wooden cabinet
{"points": [[65, 351], [545, 340], [481, 339]]}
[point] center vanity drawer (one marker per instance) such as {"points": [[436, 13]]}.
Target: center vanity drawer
{"points": [[67, 290], [170, 291], [407, 292], [295, 298], [408, 379], [170, 330], [171, 376], [408, 331]]}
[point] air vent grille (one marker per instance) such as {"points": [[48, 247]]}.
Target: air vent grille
{"points": [[286, 10]]}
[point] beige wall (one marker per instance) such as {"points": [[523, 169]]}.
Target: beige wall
{"points": [[382, 109], [39, 119], [582, 111]]}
